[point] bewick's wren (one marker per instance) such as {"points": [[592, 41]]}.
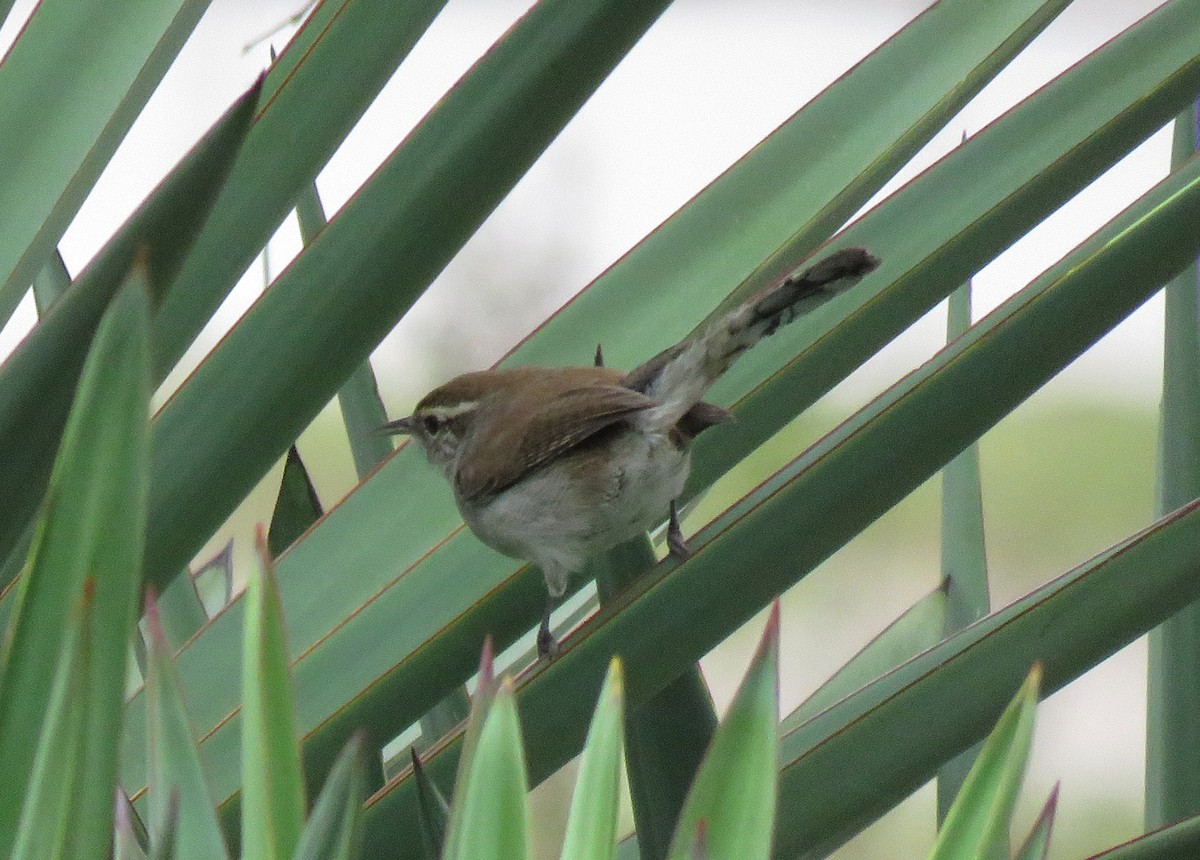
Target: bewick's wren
{"points": [[554, 465]]}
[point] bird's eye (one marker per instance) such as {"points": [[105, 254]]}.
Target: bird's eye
{"points": [[432, 424]]}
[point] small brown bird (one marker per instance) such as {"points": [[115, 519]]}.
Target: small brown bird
{"points": [[555, 465]]}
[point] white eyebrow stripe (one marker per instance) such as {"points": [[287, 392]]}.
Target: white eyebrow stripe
{"points": [[445, 413]]}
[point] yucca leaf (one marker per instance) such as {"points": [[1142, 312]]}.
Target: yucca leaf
{"points": [[39, 379], [734, 794], [920, 627], [272, 784], [181, 804], [977, 824], [490, 820], [333, 831], [667, 736], [296, 507], [964, 556], [49, 814], [592, 824], [1173, 695], [125, 841], [91, 527], [1037, 844], [84, 71], [326, 77], [1179, 841], [434, 811]]}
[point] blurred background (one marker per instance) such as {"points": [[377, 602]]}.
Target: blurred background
{"points": [[1067, 474]]}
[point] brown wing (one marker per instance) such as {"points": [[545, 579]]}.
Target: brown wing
{"points": [[522, 443]]}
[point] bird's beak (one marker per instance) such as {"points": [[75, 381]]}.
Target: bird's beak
{"points": [[401, 426]]}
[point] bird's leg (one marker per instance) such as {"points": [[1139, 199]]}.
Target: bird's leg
{"points": [[547, 645], [675, 542]]}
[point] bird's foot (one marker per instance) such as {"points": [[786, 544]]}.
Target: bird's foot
{"points": [[547, 645], [678, 547]]}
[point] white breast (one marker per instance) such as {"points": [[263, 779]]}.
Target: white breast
{"points": [[569, 510]]}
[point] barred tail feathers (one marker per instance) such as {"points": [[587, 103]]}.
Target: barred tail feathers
{"points": [[688, 370]]}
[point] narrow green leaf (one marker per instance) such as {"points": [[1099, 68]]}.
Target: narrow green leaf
{"points": [[181, 611], [964, 558], [163, 847], [919, 628], [49, 813], [977, 824], [1179, 841], [214, 580], [733, 798], [334, 830], [1173, 696], [297, 506], [178, 788], [38, 380], [1037, 844], [363, 414], [71, 85], [481, 704], [91, 526], [362, 408], [592, 825], [491, 814], [51, 282], [126, 845], [1033, 159], [667, 736], [434, 811], [792, 191], [326, 77], [272, 784]]}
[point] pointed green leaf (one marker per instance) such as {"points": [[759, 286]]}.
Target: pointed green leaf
{"points": [[491, 815], [1173, 696], [297, 506], [481, 703], [977, 824], [363, 414], [38, 380], [125, 842], [434, 810], [272, 785], [52, 281], [91, 526], [214, 580], [733, 797], [163, 847], [1180, 841], [362, 408], [919, 628], [334, 830], [667, 736], [327, 76], [71, 85], [1037, 844], [592, 825], [179, 791], [50, 815], [964, 559]]}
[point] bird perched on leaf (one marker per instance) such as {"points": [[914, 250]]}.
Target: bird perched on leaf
{"points": [[555, 465]]}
